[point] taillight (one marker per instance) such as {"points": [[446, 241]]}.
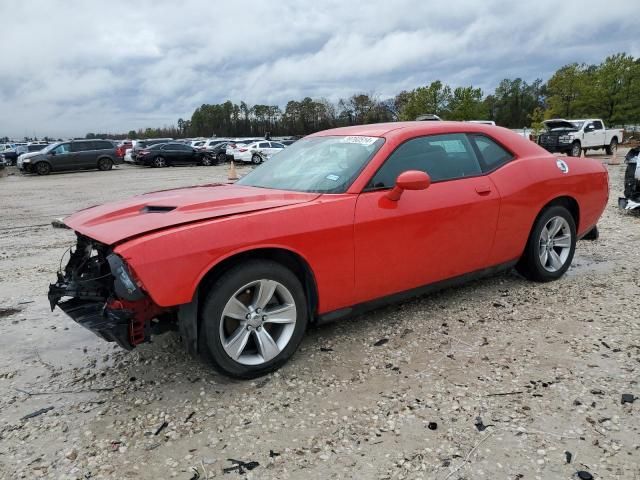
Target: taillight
{"points": [[242, 150]]}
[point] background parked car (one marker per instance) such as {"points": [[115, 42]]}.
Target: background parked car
{"points": [[219, 151], [174, 153], [236, 144], [256, 152], [72, 155], [142, 144], [11, 156], [121, 148]]}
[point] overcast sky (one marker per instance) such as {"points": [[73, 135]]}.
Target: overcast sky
{"points": [[72, 67]]}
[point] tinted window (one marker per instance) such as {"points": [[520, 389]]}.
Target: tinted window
{"points": [[277, 145], [263, 145], [35, 148], [492, 154], [598, 125], [103, 145], [443, 157], [81, 146]]}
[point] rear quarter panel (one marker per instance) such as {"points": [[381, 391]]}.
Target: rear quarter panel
{"points": [[171, 263], [526, 185]]}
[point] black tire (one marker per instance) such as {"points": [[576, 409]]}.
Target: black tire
{"points": [[256, 159], [105, 164], [576, 150], [530, 265], [159, 162], [613, 146], [221, 291], [43, 168], [222, 157], [206, 161]]}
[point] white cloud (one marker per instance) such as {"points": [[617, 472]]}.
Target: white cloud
{"points": [[69, 67]]}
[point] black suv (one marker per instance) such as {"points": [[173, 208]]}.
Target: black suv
{"points": [[72, 155]]}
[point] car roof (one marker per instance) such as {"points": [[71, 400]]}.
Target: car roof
{"points": [[399, 128]]}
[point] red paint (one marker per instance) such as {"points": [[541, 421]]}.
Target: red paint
{"points": [[359, 245]]}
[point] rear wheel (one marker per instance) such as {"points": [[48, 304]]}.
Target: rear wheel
{"points": [[105, 164], [256, 159], [159, 162], [222, 157], [550, 247], [613, 146], [43, 168], [253, 319], [206, 161]]}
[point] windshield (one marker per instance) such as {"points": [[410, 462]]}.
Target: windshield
{"points": [[316, 164], [48, 148], [578, 125]]}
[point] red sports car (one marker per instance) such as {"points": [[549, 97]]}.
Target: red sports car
{"points": [[341, 221]]}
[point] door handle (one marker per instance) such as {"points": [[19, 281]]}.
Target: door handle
{"points": [[483, 189]]}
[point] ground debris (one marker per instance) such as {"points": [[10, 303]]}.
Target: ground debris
{"points": [[240, 466], [37, 413]]}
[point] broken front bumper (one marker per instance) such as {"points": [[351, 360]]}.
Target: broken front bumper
{"points": [[97, 290]]}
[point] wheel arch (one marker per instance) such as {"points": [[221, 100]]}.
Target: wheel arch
{"points": [[189, 315], [566, 201]]}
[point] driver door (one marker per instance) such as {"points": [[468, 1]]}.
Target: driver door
{"points": [[427, 235], [593, 134]]}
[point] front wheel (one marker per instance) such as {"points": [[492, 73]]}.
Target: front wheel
{"points": [[43, 168], [550, 247], [612, 147], [222, 157], [256, 159], [206, 161], [253, 319], [576, 149]]}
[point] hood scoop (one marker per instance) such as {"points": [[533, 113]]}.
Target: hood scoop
{"points": [[156, 209]]}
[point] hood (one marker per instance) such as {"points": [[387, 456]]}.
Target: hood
{"points": [[559, 124], [118, 221], [31, 155]]}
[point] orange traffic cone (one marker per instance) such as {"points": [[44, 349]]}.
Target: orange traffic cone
{"points": [[582, 154], [233, 175]]}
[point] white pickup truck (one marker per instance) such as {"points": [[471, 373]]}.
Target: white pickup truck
{"points": [[573, 136]]}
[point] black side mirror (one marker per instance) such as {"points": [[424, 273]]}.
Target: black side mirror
{"points": [[52, 152]]}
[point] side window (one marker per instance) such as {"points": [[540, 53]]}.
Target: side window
{"points": [[443, 157], [492, 155], [598, 125], [277, 145], [263, 145], [64, 148]]}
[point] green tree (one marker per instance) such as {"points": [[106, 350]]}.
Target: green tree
{"points": [[432, 99], [466, 104]]}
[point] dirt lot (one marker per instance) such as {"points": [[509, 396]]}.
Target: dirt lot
{"points": [[499, 379]]}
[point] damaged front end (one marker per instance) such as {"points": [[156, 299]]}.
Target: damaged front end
{"points": [[97, 290]]}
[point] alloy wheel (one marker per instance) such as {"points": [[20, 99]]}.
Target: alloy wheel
{"points": [[554, 244], [258, 322]]}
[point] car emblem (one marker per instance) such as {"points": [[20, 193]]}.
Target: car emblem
{"points": [[562, 166]]}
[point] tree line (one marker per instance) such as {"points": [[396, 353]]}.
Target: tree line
{"points": [[609, 90]]}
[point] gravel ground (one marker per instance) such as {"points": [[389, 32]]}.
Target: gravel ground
{"points": [[498, 379]]}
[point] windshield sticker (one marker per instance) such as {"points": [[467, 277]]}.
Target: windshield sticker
{"points": [[333, 177], [360, 140]]}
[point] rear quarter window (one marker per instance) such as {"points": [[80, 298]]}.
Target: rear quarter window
{"points": [[492, 155]]}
